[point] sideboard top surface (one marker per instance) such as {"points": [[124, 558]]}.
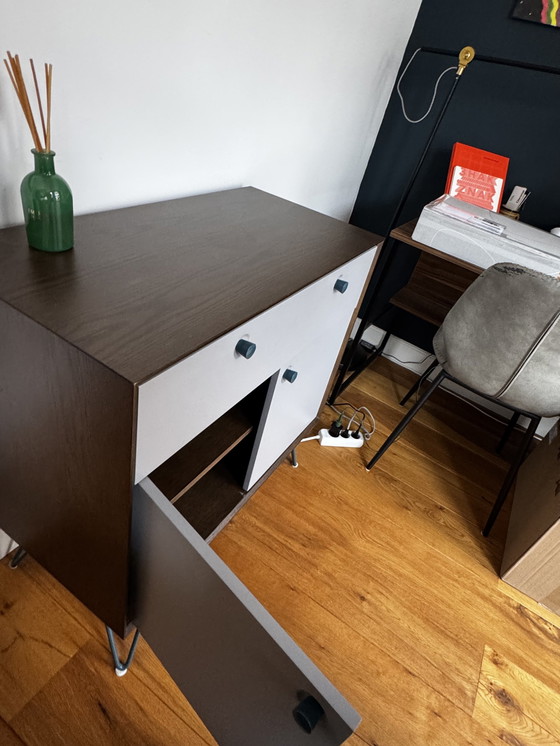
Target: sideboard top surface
{"points": [[147, 285]]}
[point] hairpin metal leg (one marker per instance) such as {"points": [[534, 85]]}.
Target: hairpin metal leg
{"points": [[19, 555], [294, 459], [120, 667]]}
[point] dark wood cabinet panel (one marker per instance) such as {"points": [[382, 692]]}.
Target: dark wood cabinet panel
{"points": [[145, 286], [66, 438]]}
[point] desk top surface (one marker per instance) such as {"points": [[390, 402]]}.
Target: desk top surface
{"points": [[147, 285]]}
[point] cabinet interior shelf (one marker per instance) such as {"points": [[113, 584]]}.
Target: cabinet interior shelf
{"points": [[212, 501], [180, 473], [204, 479]]}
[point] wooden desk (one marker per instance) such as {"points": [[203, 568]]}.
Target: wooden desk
{"points": [[437, 281], [124, 388]]}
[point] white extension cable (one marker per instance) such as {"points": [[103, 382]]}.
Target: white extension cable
{"points": [[408, 119]]}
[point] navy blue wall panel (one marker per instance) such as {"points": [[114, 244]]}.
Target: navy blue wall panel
{"points": [[514, 112]]}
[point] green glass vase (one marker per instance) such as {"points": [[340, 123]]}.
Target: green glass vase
{"points": [[47, 206]]}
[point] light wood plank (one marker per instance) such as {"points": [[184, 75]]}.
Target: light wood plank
{"points": [[37, 638], [85, 704], [371, 678], [516, 706], [8, 737], [146, 666], [415, 562]]}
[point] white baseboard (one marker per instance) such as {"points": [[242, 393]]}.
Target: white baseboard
{"points": [[415, 359]]}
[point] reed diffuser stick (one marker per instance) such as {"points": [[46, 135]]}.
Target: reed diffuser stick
{"points": [[16, 86], [16, 68], [13, 66], [12, 79], [48, 74], [39, 103]]}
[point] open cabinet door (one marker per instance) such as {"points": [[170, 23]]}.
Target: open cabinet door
{"points": [[237, 667]]}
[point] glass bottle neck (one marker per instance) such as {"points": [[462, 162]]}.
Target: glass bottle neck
{"points": [[44, 162]]}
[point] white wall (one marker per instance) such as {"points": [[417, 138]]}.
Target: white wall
{"points": [[153, 100]]}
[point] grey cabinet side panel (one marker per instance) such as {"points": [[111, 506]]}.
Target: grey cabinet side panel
{"points": [[237, 667]]}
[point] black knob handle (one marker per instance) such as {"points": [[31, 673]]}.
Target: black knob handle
{"points": [[290, 375], [341, 286], [308, 713], [245, 348]]}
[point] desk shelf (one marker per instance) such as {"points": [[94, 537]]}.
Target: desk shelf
{"points": [[437, 281], [404, 233]]}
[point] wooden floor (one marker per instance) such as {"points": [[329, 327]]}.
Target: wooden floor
{"points": [[383, 578]]}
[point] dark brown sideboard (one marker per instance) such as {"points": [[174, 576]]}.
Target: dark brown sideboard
{"points": [[153, 366]]}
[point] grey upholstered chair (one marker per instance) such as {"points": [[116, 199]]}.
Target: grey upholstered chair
{"points": [[501, 340]]}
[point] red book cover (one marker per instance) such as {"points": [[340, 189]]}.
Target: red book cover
{"points": [[477, 176]]}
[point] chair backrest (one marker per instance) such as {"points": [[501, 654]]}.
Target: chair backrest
{"points": [[502, 338]]}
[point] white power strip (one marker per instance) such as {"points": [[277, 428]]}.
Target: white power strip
{"points": [[327, 440]]}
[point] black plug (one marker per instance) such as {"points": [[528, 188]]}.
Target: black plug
{"points": [[336, 427], [356, 433], [345, 434]]}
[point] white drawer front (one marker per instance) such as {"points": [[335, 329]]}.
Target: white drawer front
{"points": [[183, 400]]}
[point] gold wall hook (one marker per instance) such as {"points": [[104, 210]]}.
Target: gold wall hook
{"points": [[466, 55]]}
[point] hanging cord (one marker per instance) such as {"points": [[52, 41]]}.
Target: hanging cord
{"points": [[408, 119]]}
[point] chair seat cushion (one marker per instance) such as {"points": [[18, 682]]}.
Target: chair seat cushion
{"points": [[502, 338]]}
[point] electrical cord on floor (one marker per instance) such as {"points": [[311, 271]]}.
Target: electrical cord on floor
{"points": [[408, 362], [355, 412]]}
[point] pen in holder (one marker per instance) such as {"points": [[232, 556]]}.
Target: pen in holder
{"points": [[517, 199]]}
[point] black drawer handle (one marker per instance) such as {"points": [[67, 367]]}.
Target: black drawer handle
{"points": [[341, 286], [290, 375], [245, 348], [308, 713]]}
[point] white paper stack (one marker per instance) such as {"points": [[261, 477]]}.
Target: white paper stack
{"points": [[483, 237]]}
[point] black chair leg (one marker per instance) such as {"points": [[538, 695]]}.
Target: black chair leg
{"points": [[507, 432], [419, 382], [407, 418], [512, 473]]}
